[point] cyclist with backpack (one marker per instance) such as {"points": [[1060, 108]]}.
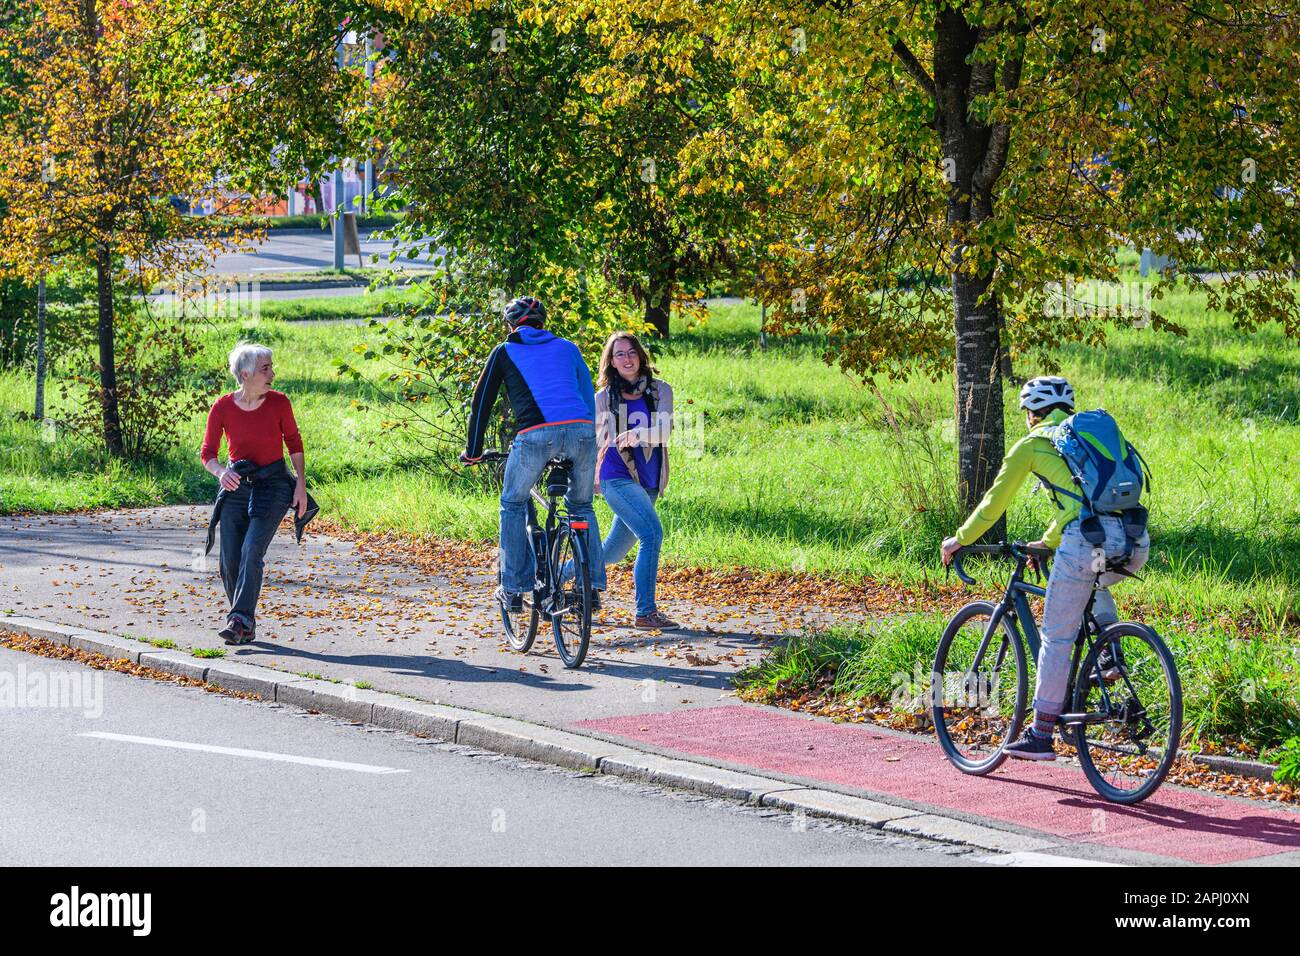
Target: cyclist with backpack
{"points": [[1098, 532], [550, 390]]}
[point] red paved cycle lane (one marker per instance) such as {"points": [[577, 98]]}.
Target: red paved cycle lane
{"points": [[1054, 798]]}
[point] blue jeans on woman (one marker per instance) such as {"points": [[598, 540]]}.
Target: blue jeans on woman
{"points": [[635, 520]]}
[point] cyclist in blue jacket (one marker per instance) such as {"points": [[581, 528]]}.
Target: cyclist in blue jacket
{"points": [[550, 390]]}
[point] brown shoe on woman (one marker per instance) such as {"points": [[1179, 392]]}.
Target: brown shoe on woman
{"points": [[656, 621]]}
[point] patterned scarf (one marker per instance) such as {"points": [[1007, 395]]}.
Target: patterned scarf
{"points": [[635, 388]]}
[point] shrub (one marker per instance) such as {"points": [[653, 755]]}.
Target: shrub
{"points": [[1288, 767], [68, 303], [158, 387]]}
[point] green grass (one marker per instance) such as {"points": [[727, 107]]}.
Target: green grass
{"points": [[365, 305], [164, 643], [793, 465], [208, 652]]}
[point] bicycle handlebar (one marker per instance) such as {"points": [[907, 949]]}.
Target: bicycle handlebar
{"points": [[488, 456], [1016, 549]]}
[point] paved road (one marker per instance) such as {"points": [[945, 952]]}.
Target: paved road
{"points": [[366, 797], [295, 253]]}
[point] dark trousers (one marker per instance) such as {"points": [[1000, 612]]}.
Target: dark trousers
{"points": [[244, 540]]}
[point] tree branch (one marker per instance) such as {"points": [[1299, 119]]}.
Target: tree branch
{"points": [[915, 68]]}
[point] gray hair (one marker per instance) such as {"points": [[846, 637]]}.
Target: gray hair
{"points": [[245, 357]]}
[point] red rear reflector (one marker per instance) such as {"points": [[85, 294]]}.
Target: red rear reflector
{"points": [[580, 525]]}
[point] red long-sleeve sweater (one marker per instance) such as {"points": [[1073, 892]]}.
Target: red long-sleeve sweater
{"points": [[260, 435]]}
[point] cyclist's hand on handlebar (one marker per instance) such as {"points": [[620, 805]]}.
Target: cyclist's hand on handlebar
{"points": [[1038, 564], [949, 547], [466, 460]]}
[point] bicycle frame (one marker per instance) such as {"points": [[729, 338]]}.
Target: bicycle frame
{"points": [[541, 535], [1015, 604]]}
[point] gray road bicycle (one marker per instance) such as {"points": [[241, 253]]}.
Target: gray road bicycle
{"points": [[1125, 702]]}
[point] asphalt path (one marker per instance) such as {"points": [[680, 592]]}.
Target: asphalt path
{"points": [[427, 630]]}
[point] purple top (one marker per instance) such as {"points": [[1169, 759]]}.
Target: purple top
{"points": [[647, 468]]}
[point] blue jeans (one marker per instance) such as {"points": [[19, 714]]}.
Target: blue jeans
{"points": [[1074, 572], [245, 537], [635, 519], [529, 453]]}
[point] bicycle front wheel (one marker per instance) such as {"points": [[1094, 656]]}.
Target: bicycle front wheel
{"points": [[520, 629], [571, 607], [1135, 713], [978, 696]]}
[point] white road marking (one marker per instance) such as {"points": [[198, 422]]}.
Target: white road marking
{"points": [[1029, 858], [239, 752]]}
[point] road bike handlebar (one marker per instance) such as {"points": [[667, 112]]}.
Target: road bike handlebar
{"points": [[1016, 549], [486, 457]]}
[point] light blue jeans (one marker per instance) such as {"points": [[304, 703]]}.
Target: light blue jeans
{"points": [[635, 520], [1074, 572], [529, 453]]}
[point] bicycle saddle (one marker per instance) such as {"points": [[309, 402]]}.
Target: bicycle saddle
{"points": [[561, 473]]}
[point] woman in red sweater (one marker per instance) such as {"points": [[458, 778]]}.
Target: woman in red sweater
{"points": [[256, 489]]}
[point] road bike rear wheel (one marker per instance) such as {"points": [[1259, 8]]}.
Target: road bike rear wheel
{"points": [[571, 608], [1126, 756], [978, 707], [520, 628]]}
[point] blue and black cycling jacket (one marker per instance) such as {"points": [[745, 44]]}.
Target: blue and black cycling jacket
{"points": [[545, 377]]}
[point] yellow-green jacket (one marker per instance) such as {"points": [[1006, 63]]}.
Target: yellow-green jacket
{"points": [[1034, 454]]}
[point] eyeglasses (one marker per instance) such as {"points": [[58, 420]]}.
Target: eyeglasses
{"points": [[624, 355]]}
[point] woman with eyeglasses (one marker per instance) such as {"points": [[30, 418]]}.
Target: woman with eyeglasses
{"points": [[634, 412]]}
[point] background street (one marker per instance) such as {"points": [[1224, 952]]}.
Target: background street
{"points": [[298, 252]]}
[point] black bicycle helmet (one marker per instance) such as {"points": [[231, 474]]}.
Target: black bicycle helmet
{"points": [[525, 311]]}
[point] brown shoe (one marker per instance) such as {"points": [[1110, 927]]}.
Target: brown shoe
{"points": [[656, 621]]}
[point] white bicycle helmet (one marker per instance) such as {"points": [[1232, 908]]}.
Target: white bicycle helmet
{"points": [[1044, 391]]}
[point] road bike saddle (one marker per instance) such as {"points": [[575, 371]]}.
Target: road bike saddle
{"points": [[560, 476]]}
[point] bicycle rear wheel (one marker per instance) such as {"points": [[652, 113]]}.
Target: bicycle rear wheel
{"points": [[978, 706], [1126, 756], [520, 629], [571, 608]]}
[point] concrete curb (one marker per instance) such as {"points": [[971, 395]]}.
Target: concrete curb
{"points": [[518, 738], [1242, 768]]}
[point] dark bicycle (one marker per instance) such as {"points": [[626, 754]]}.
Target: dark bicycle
{"points": [[557, 541], [1125, 700]]}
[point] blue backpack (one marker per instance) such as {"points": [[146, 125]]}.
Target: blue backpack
{"points": [[1109, 474]]}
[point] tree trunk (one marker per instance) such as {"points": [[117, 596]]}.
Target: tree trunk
{"points": [[1004, 348], [974, 154], [978, 375], [107, 362], [658, 307], [40, 350]]}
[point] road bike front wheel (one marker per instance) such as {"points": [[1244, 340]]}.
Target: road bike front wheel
{"points": [[1137, 710], [978, 699], [571, 607]]}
